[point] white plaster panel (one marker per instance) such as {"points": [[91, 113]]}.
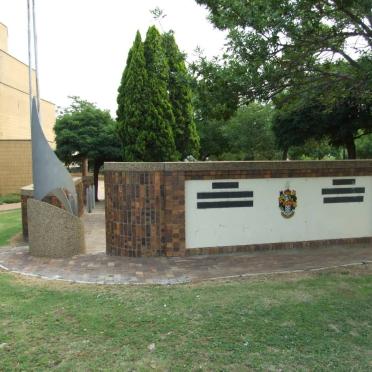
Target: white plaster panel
{"points": [[263, 223]]}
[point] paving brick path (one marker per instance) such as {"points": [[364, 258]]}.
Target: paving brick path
{"points": [[94, 225], [99, 268], [9, 207], [96, 267]]}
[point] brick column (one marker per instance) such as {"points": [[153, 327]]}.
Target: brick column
{"points": [[134, 205]]}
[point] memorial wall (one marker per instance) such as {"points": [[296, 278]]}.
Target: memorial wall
{"points": [[178, 209]]}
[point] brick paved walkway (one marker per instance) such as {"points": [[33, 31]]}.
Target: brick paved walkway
{"points": [[9, 207], [96, 267], [99, 268], [94, 226]]}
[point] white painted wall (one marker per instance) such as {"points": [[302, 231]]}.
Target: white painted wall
{"points": [[263, 223]]}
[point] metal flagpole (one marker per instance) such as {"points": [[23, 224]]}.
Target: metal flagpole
{"points": [[29, 56], [35, 56]]}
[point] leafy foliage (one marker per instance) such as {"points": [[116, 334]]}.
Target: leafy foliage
{"points": [[314, 149], [273, 45], [158, 13], [180, 96], [216, 90], [132, 100], [330, 109], [249, 132], [247, 135], [10, 198], [315, 54], [159, 117], [83, 131], [212, 139], [364, 147], [215, 100], [155, 113], [144, 115]]}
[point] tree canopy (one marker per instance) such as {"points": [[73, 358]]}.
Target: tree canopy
{"points": [[84, 131], [159, 117], [332, 110], [311, 58], [180, 96], [215, 101], [155, 114], [273, 45], [132, 99], [249, 133]]}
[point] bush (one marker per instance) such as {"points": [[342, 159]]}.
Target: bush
{"points": [[10, 198]]}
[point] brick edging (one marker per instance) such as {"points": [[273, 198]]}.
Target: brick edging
{"points": [[276, 246]]}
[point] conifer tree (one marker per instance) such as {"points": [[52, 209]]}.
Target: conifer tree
{"points": [[159, 118], [131, 108], [180, 96], [124, 79]]}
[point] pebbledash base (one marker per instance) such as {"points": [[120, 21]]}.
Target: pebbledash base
{"points": [[187, 208]]}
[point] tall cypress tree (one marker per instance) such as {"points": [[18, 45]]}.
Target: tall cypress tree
{"points": [[124, 79], [131, 110], [180, 96], [159, 118]]}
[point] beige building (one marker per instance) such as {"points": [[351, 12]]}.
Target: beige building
{"points": [[15, 131]]}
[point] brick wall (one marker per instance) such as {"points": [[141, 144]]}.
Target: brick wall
{"points": [[15, 166], [145, 202], [134, 204]]}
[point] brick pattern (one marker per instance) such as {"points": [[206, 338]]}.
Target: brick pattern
{"points": [[276, 246], [126, 195], [51, 200], [15, 165], [174, 214], [134, 205]]}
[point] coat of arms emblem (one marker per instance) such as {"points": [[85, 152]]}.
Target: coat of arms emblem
{"points": [[287, 202]]}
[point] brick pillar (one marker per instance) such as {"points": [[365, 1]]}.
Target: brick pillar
{"points": [[134, 213]]}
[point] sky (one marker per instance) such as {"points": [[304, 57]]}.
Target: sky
{"points": [[83, 44]]}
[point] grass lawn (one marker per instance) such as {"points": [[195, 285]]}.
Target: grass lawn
{"points": [[10, 224], [292, 322]]}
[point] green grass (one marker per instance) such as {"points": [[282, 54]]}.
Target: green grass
{"points": [[10, 224], [9, 198], [318, 322]]}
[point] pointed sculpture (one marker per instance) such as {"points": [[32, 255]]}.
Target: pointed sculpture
{"points": [[49, 174]]}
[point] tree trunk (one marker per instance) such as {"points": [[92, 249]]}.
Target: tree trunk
{"points": [[97, 166], [84, 167], [285, 154], [351, 149]]}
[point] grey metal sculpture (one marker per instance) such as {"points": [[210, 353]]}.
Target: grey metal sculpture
{"points": [[49, 175]]}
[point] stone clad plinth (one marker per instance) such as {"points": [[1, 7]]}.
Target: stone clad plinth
{"points": [[53, 232], [27, 192]]}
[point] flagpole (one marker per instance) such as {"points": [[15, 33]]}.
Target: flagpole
{"points": [[29, 56], [36, 56]]}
